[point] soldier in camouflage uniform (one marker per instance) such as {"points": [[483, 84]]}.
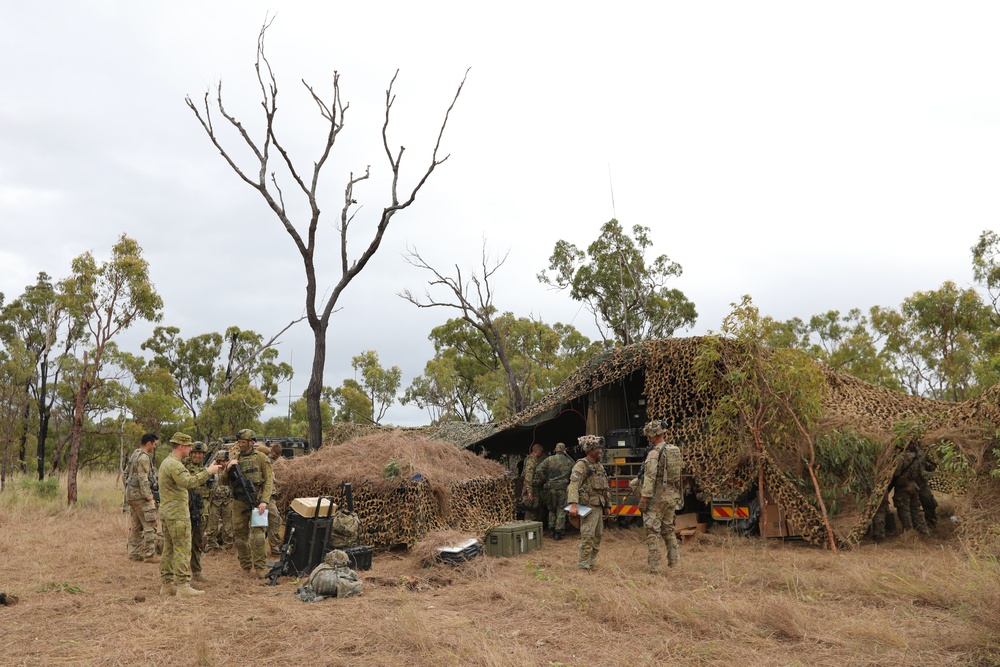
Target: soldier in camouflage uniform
{"points": [[553, 474], [194, 464], [588, 485], [256, 467], [906, 497], [659, 495], [140, 481], [175, 480], [530, 491], [273, 515], [220, 516]]}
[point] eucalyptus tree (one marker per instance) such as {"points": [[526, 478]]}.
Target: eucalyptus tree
{"points": [[625, 292], [109, 297], [270, 156]]}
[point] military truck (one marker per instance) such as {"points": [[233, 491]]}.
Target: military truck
{"points": [[290, 447]]}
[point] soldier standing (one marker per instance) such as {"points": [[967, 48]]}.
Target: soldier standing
{"points": [[553, 475], [659, 496], [140, 484], [256, 467], [197, 498], [175, 480], [220, 516], [906, 496], [588, 485], [530, 495], [273, 515]]}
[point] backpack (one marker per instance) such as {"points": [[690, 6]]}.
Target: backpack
{"points": [[344, 529]]}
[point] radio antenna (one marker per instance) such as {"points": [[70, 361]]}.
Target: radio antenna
{"points": [[611, 184]]}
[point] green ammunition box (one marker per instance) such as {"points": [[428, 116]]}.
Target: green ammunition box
{"points": [[513, 539]]}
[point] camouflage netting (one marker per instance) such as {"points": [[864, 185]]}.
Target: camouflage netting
{"points": [[462, 434], [434, 486], [848, 404]]}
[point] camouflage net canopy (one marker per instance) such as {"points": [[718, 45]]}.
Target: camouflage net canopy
{"points": [[850, 406], [404, 486]]}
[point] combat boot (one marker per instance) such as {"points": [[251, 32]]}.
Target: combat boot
{"points": [[168, 590], [151, 559], [199, 577], [185, 591]]}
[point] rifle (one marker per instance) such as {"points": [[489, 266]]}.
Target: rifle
{"points": [[284, 565], [243, 488], [195, 506]]}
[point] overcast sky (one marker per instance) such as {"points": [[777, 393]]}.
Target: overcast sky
{"points": [[815, 156]]}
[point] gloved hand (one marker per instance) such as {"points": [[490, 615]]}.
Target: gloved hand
{"points": [[643, 503]]}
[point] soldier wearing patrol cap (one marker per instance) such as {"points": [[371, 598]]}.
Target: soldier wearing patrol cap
{"points": [[588, 485], [175, 480], [659, 495], [256, 467], [553, 476]]}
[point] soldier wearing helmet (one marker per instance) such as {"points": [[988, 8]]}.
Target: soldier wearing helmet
{"points": [[220, 514], [256, 467], [198, 499], [588, 485], [659, 495]]}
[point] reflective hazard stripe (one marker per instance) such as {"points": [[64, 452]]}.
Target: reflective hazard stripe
{"points": [[625, 510], [722, 512]]}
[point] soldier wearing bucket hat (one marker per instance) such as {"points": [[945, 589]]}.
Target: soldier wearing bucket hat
{"points": [[175, 480]]}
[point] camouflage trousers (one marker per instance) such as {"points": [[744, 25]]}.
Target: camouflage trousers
{"points": [[219, 529], [175, 563], [658, 519], [250, 542], [142, 529], [555, 500], [533, 509], [273, 528], [591, 531], [878, 522], [911, 513], [929, 504], [197, 538]]}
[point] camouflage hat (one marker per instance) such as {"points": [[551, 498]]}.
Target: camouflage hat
{"points": [[560, 446], [199, 447], [246, 434], [180, 439], [655, 427], [588, 442]]}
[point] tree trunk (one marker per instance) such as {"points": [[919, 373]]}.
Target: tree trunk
{"points": [[43, 419], [22, 449], [76, 434], [314, 390]]}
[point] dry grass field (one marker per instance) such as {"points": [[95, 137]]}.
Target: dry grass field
{"points": [[732, 601]]}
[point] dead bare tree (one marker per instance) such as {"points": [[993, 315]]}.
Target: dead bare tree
{"points": [[264, 180], [479, 314]]}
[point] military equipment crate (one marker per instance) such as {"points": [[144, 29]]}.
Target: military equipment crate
{"points": [[513, 539]]}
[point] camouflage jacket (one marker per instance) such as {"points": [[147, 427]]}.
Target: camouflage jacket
{"points": [[175, 480], [203, 489], [662, 472], [257, 468], [530, 466], [220, 494], [553, 472], [140, 476], [588, 485]]}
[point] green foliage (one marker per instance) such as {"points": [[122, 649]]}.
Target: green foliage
{"points": [[845, 467], [379, 384], [353, 404], [935, 339], [626, 293], [954, 465], [47, 489], [52, 587], [391, 469]]}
